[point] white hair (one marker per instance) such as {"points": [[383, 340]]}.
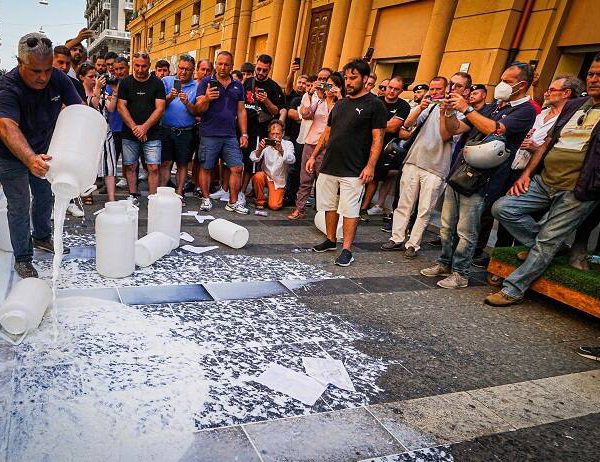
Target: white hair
{"points": [[41, 49]]}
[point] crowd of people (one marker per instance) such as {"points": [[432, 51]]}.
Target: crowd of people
{"points": [[332, 139]]}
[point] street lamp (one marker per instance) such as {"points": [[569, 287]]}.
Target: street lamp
{"points": [[43, 2]]}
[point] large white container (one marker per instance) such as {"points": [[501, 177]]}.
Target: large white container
{"points": [[4, 231], [320, 224], [228, 233], [152, 247], [164, 214], [132, 213], [24, 308], [75, 148], [115, 254]]}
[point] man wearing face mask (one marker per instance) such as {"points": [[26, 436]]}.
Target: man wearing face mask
{"points": [[512, 116]]}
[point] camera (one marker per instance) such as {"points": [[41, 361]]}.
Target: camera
{"points": [[270, 142], [325, 86], [109, 78]]}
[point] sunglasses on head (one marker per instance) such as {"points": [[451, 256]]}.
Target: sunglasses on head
{"points": [[141, 54], [33, 42], [382, 87]]}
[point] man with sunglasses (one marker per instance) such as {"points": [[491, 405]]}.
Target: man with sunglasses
{"points": [[31, 98], [382, 88], [563, 175]]}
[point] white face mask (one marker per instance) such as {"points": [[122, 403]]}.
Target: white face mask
{"points": [[504, 91]]}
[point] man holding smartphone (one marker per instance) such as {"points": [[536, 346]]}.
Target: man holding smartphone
{"points": [[220, 102], [177, 124]]}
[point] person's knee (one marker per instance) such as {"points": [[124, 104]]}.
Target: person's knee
{"points": [[152, 168], [499, 209], [237, 170]]}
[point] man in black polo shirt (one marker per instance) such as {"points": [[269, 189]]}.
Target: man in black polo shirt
{"points": [[264, 99], [511, 115], [31, 98], [354, 138]]}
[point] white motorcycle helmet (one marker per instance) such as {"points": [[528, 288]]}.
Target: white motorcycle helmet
{"points": [[490, 152]]}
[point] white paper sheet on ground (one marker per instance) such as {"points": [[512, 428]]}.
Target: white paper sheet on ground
{"points": [[198, 250], [186, 237], [328, 371], [189, 213], [295, 384], [202, 218]]}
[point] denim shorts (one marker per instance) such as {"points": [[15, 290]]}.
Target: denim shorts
{"points": [[213, 147], [132, 148]]}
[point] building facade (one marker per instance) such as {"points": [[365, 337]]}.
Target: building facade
{"points": [[417, 39], [109, 20]]}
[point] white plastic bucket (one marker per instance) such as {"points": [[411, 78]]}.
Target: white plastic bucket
{"points": [[115, 245], [228, 233], [164, 214], [76, 147], [4, 231], [152, 247], [24, 308], [320, 224]]}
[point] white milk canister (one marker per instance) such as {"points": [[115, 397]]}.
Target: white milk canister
{"points": [[5, 243], [24, 308], [229, 233], [76, 147], [152, 247], [320, 224], [164, 214], [132, 213], [115, 244]]}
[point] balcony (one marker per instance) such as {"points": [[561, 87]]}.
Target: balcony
{"points": [[106, 6], [128, 6], [112, 35]]}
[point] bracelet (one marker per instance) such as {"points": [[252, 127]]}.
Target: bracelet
{"points": [[244, 135]]}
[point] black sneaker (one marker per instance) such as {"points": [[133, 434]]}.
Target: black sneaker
{"points": [[387, 227], [391, 245], [25, 269], [388, 218], [589, 352], [481, 260], [325, 246], [410, 253], [345, 258], [48, 246], [364, 216]]}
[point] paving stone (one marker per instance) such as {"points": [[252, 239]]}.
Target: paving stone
{"points": [[342, 435], [164, 294], [223, 445], [245, 290], [312, 288]]}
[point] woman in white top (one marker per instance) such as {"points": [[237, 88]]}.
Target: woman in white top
{"points": [[276, 155]]}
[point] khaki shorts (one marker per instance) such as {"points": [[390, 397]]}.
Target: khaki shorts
{"points": [[347, 202]]}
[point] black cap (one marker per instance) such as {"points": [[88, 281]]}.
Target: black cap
{"points": [[421, 86], [478, 86]]}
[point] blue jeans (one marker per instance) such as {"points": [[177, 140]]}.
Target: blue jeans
{"points": [[16, 182], [565, 214], [461, 216], [151, 150], [213, 147]]}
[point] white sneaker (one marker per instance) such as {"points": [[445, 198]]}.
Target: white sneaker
{"points": [[206, 204], [237, 208], [241, 198], [75, 211], [143, 174], [375, 210], [122, 183], [217, 194], [454, 281], [134, 200], [224, 197]]}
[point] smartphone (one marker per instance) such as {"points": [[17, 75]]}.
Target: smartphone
{"points": [[369, 54], [534, 63], [270, 142], [297, 61], [259, 90], [177, 85], [212, 83]]}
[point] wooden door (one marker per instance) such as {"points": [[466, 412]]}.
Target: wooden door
{"points": [[317, 39]]}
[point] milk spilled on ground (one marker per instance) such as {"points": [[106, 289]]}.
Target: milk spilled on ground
{"points": [[60, 210]]}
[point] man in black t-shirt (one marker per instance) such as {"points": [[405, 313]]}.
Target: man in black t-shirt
{"points": [[397, 112], [264, 99], [141, 105], [354, 139], [31, 98]]}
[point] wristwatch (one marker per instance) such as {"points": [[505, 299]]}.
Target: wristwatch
{"points": [[469, 110]]}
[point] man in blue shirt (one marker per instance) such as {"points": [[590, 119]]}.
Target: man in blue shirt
{"points": [[31, 98], [220, 101], [178, 122]]}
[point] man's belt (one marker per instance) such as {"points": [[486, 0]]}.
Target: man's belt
{"points": [[178, 130]]}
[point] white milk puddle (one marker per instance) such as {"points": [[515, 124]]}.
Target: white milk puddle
{"points": [[115, 385]]}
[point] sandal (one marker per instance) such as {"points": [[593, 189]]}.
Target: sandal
{"points": [[88, 200], [296, 214]]}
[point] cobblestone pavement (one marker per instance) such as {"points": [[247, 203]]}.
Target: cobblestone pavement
{"points": [[162, 365]]}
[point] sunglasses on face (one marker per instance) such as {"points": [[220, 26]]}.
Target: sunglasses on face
{"points": [[382, 87]]}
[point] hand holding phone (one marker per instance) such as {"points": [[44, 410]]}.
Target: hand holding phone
{"points": [[177, 85], [270, 142]]}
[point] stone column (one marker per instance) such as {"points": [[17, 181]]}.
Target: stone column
{"points": [[275, 20], [285, 40], [435, 39], [241, 43], [337, 30], [355, 31]]}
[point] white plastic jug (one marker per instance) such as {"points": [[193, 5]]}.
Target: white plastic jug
{"points": [[152, 247], [164, 213], [320, 224], [228, 233], [115, 254], [24, 308], [4, 231], [132, 213], [76, 147]]}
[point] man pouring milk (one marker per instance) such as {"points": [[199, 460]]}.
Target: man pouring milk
{"points": [[31, 98]]}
